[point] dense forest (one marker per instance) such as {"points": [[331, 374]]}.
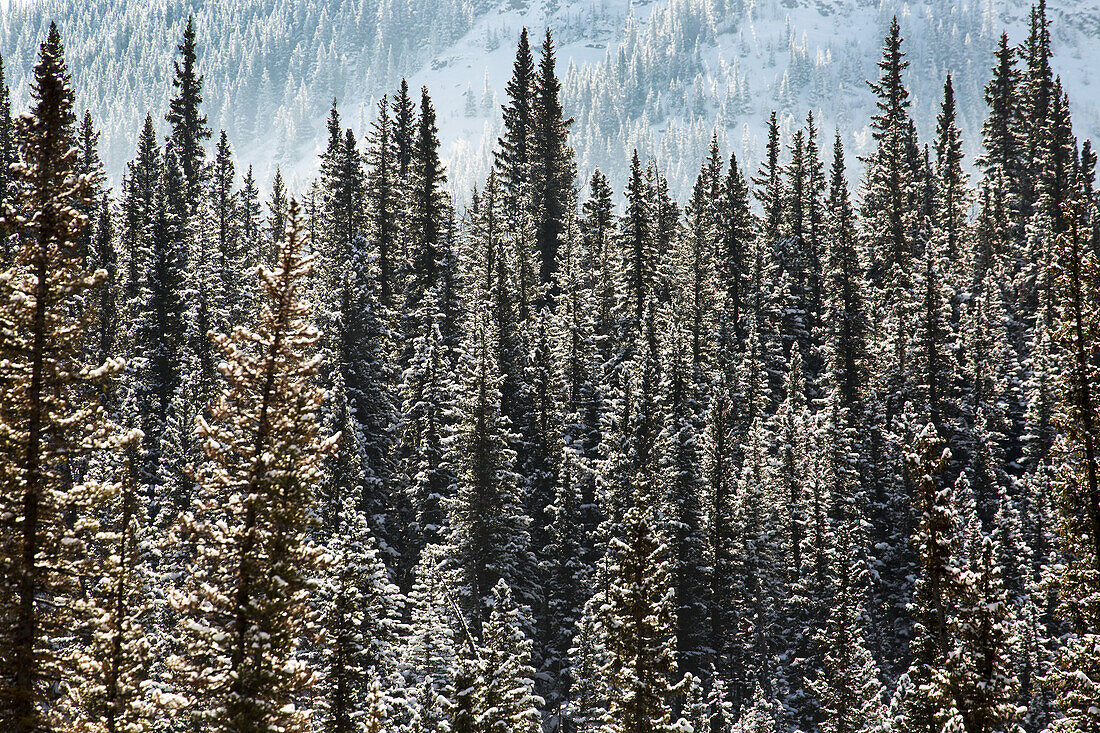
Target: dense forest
{"points": [[809, 451]]}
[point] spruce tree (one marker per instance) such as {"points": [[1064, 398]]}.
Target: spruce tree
{"points": [[514, 158], [116, 650], [488, 536], [637, 270], [640, 667], [8, 145], [1077, 491], [383, 204], [360, 608], [506, 700], [51, 418], [189, 125], [552, 175], [228, 303], [246, 603]]}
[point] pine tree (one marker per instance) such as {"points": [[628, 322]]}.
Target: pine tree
{"points": [[427, 395], [721, 454], [276, 217], [682, 465], [937, 589], [383, 205], [488, 529], [952, 198], [736, 233], [8, 147], [228, 302], [189, 125], [849, 688], [359, 607], [435, 647], [246, 603], [404, 131], [888, 194], [50, 416], [107, 306], [641, 620], [428, 217], [1077, 491], [506, 700], [553, 172], [597, 230], [769, 185], [568, 556], [979, 667], [89, 164], [514, 159], [249, 210], [637, 269], [113, 660], [1001, 159]]}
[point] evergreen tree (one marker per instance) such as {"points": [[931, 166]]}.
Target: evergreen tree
{"points": [[553, 172], [8, 145], [116, 648], [514, 158], [404, 131], [1077, 491], [359, 607], [383, 205], [228, 291], [506, 699], [189, 125], [488, 530], [637, 270], [89, 164], [50, 417], [246, 602], [641, 656]]}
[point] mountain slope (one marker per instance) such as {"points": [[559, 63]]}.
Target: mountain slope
{"points": [[659, 75]]}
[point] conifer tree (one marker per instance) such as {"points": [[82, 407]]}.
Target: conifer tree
{"points": [[637, 270], [108, 306], [189, 125], [404, 131], [514, 158], [682, 465], [249, 212], [246, 603], [938, 587], [116, 652], [429, 213], [849, 688], [952, 198], [89, 164], [506, 698], [276, 215], [736, 230], [488, 536], [359, 607], [1077, 491], [8, 145], [383, 205], [50, 416], [224, 211], [553, 172], [640, 667], [980, 667], [888, 194], [597, 230]]}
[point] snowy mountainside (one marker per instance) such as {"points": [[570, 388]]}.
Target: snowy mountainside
{"points": [[659, 75]]}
